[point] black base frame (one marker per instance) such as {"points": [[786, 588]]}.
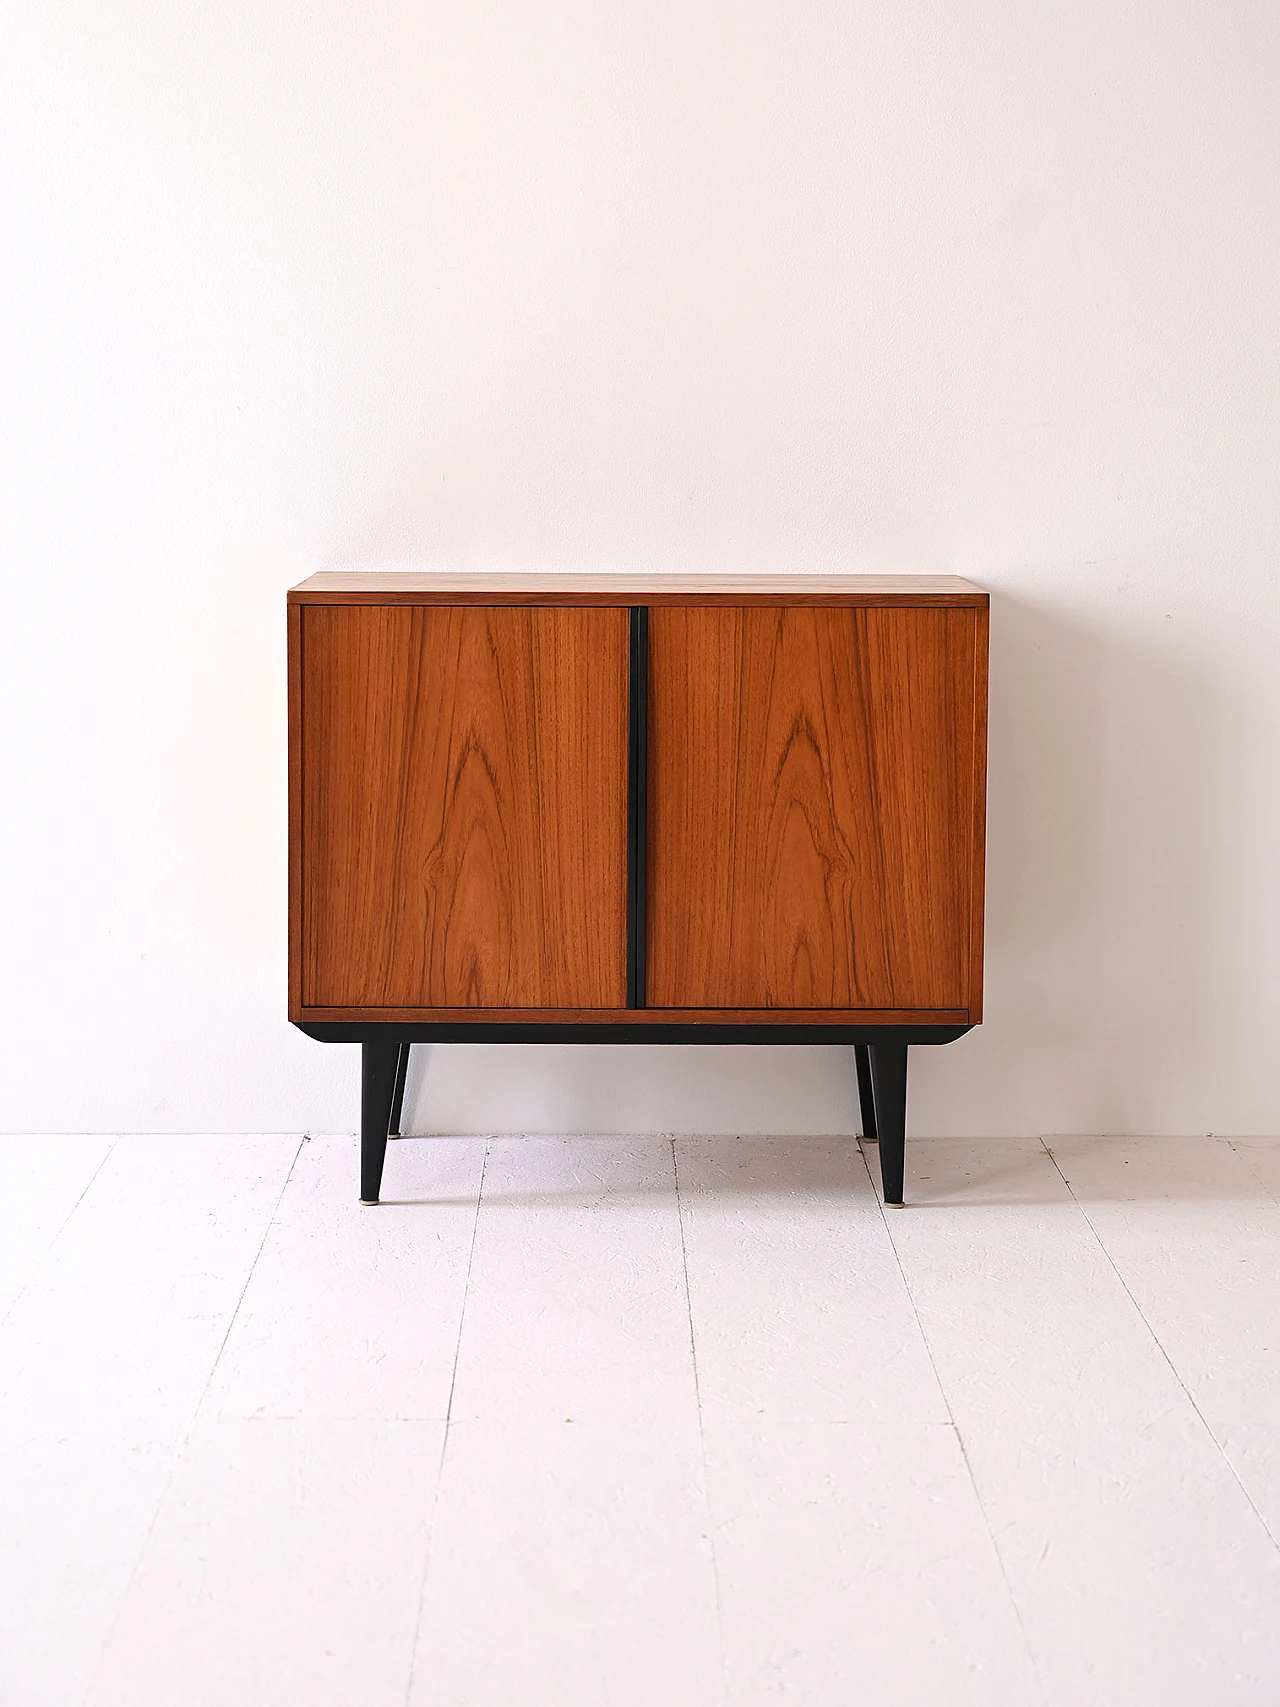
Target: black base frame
{"points": [[880, 1053]]}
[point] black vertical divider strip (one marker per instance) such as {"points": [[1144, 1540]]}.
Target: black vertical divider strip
{"points": [[637, 799]]}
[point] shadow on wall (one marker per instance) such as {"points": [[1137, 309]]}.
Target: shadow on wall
{"points": [[1101, 925], [1102, 888]]}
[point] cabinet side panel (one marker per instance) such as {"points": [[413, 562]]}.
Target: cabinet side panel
{"points": [[978, 867], [296, 995], [464, 807], [810, 807]]}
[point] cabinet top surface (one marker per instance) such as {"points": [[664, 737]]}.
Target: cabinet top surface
{"points": [[353, 587]]}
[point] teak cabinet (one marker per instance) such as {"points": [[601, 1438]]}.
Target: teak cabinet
{"points": [[605, 809]]}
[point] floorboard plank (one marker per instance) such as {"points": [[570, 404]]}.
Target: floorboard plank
{"points": [[1195, 1237], [1139, 1568], [284, 1567], [576, 1305], [570, 1567], [799, 1309], [853, 1557], [354, 1310], [103, 1361]]}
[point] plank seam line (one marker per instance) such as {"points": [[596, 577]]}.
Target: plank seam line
{"points": [[61, 1228], [1234, 1144], [444, 1436], [702, 1433], [955, 1429]]}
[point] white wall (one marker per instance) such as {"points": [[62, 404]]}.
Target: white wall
{"points": [[987, 287]]}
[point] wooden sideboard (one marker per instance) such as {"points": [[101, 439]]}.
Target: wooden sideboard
{"points": [[665, 809]]}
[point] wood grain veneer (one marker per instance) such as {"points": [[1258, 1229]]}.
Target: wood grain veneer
{"points": [[813, 808], [460, 799]]}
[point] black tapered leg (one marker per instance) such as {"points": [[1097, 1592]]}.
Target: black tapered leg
{"points": [[397, 1095], [378, 1064], [889, 1078], [866, 1097]]}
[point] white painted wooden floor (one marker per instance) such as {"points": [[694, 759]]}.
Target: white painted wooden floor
{"points": [[589, 1422]]}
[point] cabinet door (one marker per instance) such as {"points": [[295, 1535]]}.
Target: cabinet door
{"points": [[463, 806], [814, 820]]}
